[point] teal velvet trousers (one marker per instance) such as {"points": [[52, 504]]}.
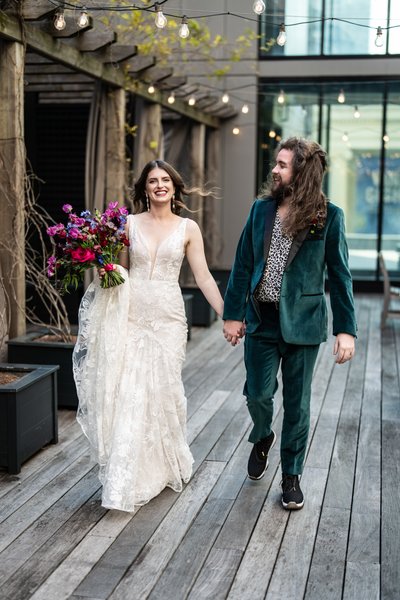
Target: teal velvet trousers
{"points": [[264, 352]]}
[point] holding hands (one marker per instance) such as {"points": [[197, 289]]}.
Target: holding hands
{"points": [[234, 331]]}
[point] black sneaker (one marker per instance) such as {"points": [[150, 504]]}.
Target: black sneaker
{"points": [[258, 459], [292, 496]]}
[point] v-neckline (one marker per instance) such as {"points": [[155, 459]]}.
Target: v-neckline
{"points": [[153, 260]]}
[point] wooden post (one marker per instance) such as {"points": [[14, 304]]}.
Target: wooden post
{"points": [[115, 189], [12, 174], [149, 143]]}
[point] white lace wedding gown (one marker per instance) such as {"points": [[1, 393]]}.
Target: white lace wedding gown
{"points": [[127, 367]]}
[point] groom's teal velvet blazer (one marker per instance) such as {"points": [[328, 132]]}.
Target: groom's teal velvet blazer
{"points": [[302, 306]]}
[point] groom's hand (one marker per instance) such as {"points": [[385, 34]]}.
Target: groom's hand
{"points": [[233, 331]]}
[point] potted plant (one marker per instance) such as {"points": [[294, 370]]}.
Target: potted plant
{"points": [[28, 412]]}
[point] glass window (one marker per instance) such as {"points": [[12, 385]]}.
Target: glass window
{"points": [[391, 188], [362, 138], [330, 27], [301, 40]]}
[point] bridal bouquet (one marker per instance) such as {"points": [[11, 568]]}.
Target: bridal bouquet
{"points": [[88, 240]]}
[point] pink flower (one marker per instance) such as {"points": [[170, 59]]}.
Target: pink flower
{"points": [[82, 255], [55, 229], [67, 208], [110, 267]]}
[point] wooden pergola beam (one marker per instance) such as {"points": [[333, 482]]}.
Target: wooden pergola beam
{"points": [[59, 51]]}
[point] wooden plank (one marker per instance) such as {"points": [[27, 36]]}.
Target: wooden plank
{"points": [[18, 495], [189, 557], [65, 438], [22, 518], [298, 543], [362, 582], [251, 581], [143, 574], [390, 523], [328, 565], [24, 547], [208, 409], [72, 570], [46, 559]]}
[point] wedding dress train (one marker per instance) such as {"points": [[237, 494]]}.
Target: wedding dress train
{"points": [[127, 366]]}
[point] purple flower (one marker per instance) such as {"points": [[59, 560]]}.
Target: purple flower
{"points": [[55, 229], [67, 208]]}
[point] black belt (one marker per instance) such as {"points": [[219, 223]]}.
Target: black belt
{"points": [[268, 305]]}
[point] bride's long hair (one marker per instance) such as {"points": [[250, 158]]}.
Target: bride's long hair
{"points": [[139, 191]]}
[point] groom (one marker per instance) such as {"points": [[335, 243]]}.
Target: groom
{"points": [[276, 296]]}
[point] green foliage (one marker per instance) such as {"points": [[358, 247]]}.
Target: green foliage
{"points": [[138, 27]]}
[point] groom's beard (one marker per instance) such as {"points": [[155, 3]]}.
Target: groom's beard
{"points": [[280, 192]]}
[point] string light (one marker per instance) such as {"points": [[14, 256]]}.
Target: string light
{"points": [[272, 133], [345, 137], [83, 19], [151, 89], [281, 39], [341, 97], [161, 20], [184, 29], [259, 7], [386, 138], [245, 109], [379, 38], [225, 98], [171, 99], [192, 101], [357, 113], [236, 131], [59, 20], [281, 98]]}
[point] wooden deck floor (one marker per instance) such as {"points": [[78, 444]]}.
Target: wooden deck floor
{"points": [[226, 536]]}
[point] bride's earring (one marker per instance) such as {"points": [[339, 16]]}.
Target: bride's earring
{"points": [[147, 201], [173, 203]]}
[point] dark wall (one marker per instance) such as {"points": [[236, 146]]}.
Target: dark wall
{"points": [[56, 143]]}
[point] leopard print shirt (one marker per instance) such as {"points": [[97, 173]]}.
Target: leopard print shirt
{"points": [[269, 288]]}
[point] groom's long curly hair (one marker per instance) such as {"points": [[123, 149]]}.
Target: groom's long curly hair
{"points": [[308, 203]]}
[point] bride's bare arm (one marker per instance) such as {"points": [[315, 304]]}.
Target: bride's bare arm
{"points": [[198, 264]]}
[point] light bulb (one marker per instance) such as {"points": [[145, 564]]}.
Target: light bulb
{"points": [[281, 98], [357, 113], [379, 38], [236, 131], [151, 89], [161, 20], [245, 109], [171, 99], [225, 98], [272, 133], [192, 101], [184, 29], [386, 138], [259, 7], [341, 97], [281, 39], [345, 137], [59, 20], [83, 19]]}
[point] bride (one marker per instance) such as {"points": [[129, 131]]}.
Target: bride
{"points": [[131, 346]]}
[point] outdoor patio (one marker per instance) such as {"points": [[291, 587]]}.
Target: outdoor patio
{"points": [[226, 536]]}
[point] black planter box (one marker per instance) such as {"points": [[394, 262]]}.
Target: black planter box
{"points": [[26, 349], [203, 314], [28, 413]]}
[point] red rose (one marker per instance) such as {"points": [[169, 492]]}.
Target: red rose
{"points": [[110, 267], [82, 255]]}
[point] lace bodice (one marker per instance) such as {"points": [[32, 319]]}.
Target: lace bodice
{"points": [[168, 259]]}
